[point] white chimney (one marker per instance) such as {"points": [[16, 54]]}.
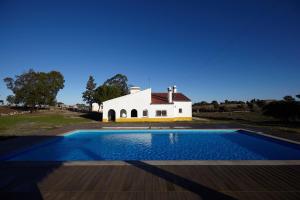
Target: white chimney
{"points": [[133, 90], [174, 89], [170, 95]]}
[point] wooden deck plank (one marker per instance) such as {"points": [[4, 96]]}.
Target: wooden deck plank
{"points": [[151, 182]]}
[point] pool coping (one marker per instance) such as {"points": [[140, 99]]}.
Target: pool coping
{"points": [[270, 136], [160, 162], [151, 162], [186, 162]]}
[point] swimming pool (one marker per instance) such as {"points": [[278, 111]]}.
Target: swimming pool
{"points": [[87, 145]]}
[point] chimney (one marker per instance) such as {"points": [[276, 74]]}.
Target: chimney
{"points": [[174, 89], [133, 90], [170, 95]]}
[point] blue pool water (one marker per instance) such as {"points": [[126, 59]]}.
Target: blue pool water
{"points": [[160, 145]]}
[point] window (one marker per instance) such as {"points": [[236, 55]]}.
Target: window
{"points": [[160, 113], [123, 113], [145, 113], [180, 110]]}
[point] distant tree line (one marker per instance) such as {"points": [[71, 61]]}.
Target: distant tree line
{"points": [[287, 109], [34, 89], [214, 106], [113, 87]]}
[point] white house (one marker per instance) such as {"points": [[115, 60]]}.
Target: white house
{"points": [[145, 106]]}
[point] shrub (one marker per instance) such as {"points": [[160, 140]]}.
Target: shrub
{"points": [[284, 110]]}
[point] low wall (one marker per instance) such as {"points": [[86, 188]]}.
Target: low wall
{"points": [[151, 119]]}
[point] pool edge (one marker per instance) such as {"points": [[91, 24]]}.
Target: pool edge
{"points": [[151, 162], [270, 136]]}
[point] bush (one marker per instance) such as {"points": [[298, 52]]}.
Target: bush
{"points": [[284, 110]]}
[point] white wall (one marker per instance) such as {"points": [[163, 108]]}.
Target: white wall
{"points": [[95, 107], [154, 107], [139, 101], [186, 109]]}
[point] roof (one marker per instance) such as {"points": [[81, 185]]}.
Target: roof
{"points": [[162, 98]]}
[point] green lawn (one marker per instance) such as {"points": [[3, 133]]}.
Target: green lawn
{"points": [[251, 119], [236, 116], [28, 123]]}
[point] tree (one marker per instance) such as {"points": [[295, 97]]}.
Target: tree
{"points": [[1, 101], [298, 96], [214, 102], [119, 80], [203, 103], [88, 95], [289, 98], [105, 92], [9, 83], [36, 88], [216, 105], [11, 99], [284, 110], [48, 85], [56, 82]]}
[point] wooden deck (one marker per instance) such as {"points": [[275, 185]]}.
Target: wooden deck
{"points": [[139, 180]]}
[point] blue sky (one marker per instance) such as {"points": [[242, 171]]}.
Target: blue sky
{"points": [[212, 50]]}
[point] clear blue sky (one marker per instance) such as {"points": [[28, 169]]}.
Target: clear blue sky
{"points": [[212, 50]]}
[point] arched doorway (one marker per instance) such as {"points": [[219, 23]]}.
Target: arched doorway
{"points": [[134, 113], [111, 115]]}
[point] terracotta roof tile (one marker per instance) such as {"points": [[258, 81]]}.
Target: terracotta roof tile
{"points": [[162, 98]]}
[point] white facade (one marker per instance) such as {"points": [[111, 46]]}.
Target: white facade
{"points": [[96, 107], [138, 106]]}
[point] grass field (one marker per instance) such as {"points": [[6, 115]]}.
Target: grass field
{"points": [[236, 116], [29, 123], [251, 119]]}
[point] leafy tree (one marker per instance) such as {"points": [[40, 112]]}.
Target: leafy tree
{"points": [[9, 83], [216, 105], [11, 99], [119, 80], [256, 104], [298, 96], [88, 95], [289, 98], [284, 110], [48, 85], [105, 92], [36, 88], [203, 103], [1, 101]]}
